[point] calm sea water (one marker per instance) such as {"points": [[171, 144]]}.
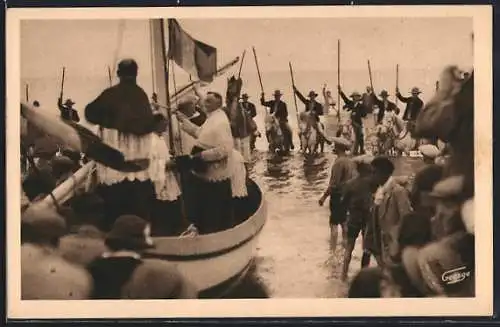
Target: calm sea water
{"points": [[294, 257]]}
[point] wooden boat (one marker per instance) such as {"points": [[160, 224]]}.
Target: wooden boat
{"points": [[213, 262], [216, 262]]}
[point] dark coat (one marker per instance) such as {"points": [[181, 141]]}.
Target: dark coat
{"points": [[317, 108], [390, 106], [124, 107], [250, 108], [131, 278], [413, 107], [358, 110], [68, 113], [281, 111]]}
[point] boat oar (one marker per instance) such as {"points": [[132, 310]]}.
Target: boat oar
{"points": [[79, 138]]}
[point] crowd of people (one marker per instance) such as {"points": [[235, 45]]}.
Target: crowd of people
{"points": [[418, 228]]}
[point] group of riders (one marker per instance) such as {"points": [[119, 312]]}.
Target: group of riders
{"points": [[369, 109]]}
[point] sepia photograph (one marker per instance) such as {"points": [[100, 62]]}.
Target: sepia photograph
{"points": [[296, 161]]}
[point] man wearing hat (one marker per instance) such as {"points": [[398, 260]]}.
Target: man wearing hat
{"points": [[413, 104], [67, 110], [358, 112], [384, 105], [312, 106], [343, 169], [127, 122], [123, 273], [251, 112], [280, 111]]}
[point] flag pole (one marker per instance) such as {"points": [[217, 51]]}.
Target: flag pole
{"points": [[166, 71], [169, 114]]}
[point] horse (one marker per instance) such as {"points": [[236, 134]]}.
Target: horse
{"points": [[346, 131], [274, 134], [309, 138], [403, 139]]}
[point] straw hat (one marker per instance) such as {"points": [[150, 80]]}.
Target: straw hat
{"points": [[450, 187], [429, 150], [129, 230]]}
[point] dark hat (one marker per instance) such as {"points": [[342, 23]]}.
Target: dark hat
{"points": [[384, 93], [448, 188], [312, 94], [128, 232], [277, 92], [244, 96], [415, 90], [36, 103], [127, 67], [341, 142], [40, 223], [61, 165], [355, 94], [69, 102], [383, 164], [428, 177]]}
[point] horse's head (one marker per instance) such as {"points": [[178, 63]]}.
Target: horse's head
{"points": [[233, 88]]}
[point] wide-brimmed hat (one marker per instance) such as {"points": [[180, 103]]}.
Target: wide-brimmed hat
{"points": [[69, 102], [355, 94], [128, 231], [277, 92], [415, 90], [40, 223], [384, 93], [244, 96], [312, 94], [449, 188], [429, 150]]}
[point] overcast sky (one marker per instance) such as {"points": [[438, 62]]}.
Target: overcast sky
{"points": [[86, 47]]}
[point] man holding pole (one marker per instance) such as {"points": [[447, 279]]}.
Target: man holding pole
{"points": [[358, 112], [279, 110]]}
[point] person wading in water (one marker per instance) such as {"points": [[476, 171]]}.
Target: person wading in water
{"points": [[343, 169]]}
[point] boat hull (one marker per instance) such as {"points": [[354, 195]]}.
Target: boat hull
{"points": [[212, 260]]}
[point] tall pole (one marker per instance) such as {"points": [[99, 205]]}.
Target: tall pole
{"points": [[338, 80], [370, 74], [397, 81], [258, 70], [110, 78], [293, 90], [241, 63], [166, 68], [27, 94]]}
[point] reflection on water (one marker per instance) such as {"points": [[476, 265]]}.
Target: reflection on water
{"points": [[294, 258]]}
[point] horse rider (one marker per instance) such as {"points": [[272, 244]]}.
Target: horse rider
{"points": [[358, 112], [414, 105], [384, 105], [279, 110], [251, 113], [369, 103], [67, 110], [314, 107]]}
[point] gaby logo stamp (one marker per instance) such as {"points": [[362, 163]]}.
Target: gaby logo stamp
{"points": [[455, 275]]}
